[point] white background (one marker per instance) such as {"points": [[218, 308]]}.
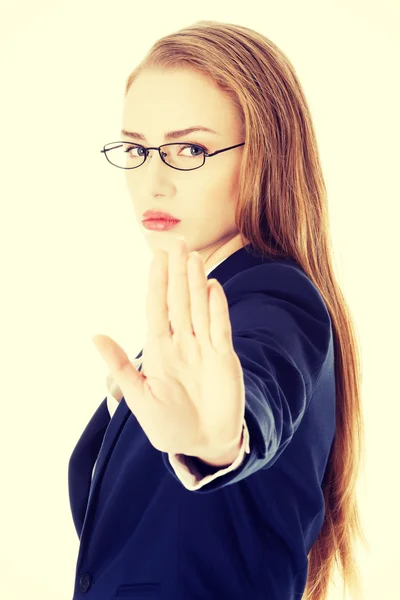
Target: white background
{"points": [[74, 262]]}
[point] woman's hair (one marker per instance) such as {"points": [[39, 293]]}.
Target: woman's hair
{"points": [[282, 210]]}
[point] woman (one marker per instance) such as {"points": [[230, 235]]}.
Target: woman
{"points": [[268, 504]]}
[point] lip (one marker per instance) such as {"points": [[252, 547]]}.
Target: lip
{"points": [[159, 224], [159, 215]]}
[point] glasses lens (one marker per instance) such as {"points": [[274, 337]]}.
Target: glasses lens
{"points": [[180, 156], [183, 156], [125, 154]]}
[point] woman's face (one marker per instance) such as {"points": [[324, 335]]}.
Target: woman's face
{"points": [[204, 199]]}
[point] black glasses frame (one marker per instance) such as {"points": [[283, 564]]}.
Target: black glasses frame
{"points": [[205, 154]]}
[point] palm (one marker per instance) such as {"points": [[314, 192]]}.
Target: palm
{"points": [[190, 393]]}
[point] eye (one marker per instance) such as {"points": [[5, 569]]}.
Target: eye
{"points": [[200, 149], [133, 147]]}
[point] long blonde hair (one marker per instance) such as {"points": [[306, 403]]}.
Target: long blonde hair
{"points": [[282, 210]]}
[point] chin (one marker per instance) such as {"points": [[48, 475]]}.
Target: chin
{"points": [[163, 239]]}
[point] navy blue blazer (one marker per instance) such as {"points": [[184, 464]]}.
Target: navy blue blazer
{"points": [[246, 534]]}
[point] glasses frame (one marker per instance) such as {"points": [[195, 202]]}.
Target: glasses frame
{"points": [[205, 154]]}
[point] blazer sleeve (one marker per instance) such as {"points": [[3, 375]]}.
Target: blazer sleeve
{"points": [[282, 334], [194, 474]]}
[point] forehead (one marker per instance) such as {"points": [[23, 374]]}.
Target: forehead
{"points": [[165, 100]]}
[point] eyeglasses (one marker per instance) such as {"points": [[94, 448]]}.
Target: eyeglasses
{"points": [[123, 155]]}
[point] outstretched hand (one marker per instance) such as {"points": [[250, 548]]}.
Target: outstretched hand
{"points": [[189, 397]]}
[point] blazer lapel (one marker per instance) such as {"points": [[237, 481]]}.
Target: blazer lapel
{"points": [[114, 429]]}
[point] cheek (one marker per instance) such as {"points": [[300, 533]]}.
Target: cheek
{"points": [[217, 197], [221, 189]]}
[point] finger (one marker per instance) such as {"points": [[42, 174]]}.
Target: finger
{"points": [[156, 300], [199, 298], [123, 372], [220, 323], [178, 296]]}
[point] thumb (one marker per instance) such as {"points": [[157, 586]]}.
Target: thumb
{"points": [[122, 371]]}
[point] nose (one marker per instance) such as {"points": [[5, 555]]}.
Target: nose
{"points": [[154, 164], [152, 177], [152, 151]]}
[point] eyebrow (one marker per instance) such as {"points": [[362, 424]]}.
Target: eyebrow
{"points": [[170, 135]]}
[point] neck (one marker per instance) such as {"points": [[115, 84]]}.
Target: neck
{"points": [[222, 251]]}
